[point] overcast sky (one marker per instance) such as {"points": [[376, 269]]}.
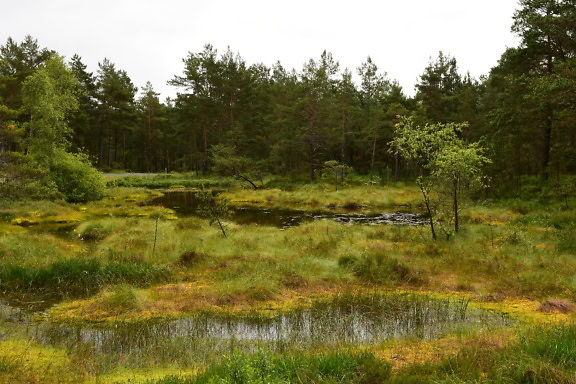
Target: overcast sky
{"points": [[149, 38]]}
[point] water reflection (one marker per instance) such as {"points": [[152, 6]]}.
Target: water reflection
{"points": [[354, 320], [185, 204]]}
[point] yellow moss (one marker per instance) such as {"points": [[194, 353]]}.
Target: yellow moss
{"points": [[136, 376], [524, 310], [9, 228], [402, 353], [28, 362], [180, 299], [24, 221]]}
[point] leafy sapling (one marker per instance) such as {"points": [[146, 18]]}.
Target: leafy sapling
{"points": [[215, 208]]}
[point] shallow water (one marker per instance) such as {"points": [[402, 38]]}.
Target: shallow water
{"points": [[350, 320], [185, 204]]}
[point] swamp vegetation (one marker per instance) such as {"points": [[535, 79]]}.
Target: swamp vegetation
{"points": [[291, 226], [129, 290]]}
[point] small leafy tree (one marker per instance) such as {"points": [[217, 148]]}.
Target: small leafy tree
{"points": [[336, 170], [49, 95], [215, 208], [445, 161], [565, 189], [457, 169]]}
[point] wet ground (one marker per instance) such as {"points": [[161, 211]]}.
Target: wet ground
{"points": [[185, 204], [349, 320]]}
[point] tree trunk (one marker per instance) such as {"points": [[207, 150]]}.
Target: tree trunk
{"points": [[124, 149], [101, 141], [242, 177], [311, 133], [547, 143], [343, 138], [149, 162], [428, 210], [549, 117], [204, 160], [373, 159], [397, 168], [456, 217]]}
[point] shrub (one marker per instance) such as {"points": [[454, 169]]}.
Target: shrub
{"points": [[76, 179], [26, 179]]}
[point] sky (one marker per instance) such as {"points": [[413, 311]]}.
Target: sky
{"points": [[149, 38]]}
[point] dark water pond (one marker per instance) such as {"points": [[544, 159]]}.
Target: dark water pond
{"points": [[351, 320], [185, 204]]}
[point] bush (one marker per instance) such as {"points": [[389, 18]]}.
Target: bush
{"points": [[24, 178], [76, 179]]}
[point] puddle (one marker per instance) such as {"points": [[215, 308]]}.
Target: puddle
{"points": [[185, 204], [350, 320]]}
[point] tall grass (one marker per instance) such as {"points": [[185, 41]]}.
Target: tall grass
{"points": [[542, 355], [263, 367], [80, 276]]}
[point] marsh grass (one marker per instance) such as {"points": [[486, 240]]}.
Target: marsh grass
{"points": [[122, 298], [258, 264], [323, 196], [80, 276], [380, 268], [265, 367], [175, 180], [540, 355], [94, 231], [513, 248]]}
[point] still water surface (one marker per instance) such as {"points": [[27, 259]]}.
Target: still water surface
{"points": [[350, 320], [185, 204]]}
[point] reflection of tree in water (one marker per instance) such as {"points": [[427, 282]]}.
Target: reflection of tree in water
{"points": [[356, 320]]}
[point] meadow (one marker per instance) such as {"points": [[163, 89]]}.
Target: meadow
{"points": [[123, 262]]}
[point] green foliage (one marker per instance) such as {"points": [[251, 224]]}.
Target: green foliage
{"points": [[75, 177], [49, 96], [171, 180], [26, 179], [70, 276], [448, 164], [266, 368], [336, 171], [213, 207], [226, 161], [554, 344]]}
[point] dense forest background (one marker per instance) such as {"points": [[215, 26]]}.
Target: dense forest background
{"points": [[275, 120]]}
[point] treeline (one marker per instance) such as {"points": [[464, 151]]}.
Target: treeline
{"points": [[291, 122]]}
